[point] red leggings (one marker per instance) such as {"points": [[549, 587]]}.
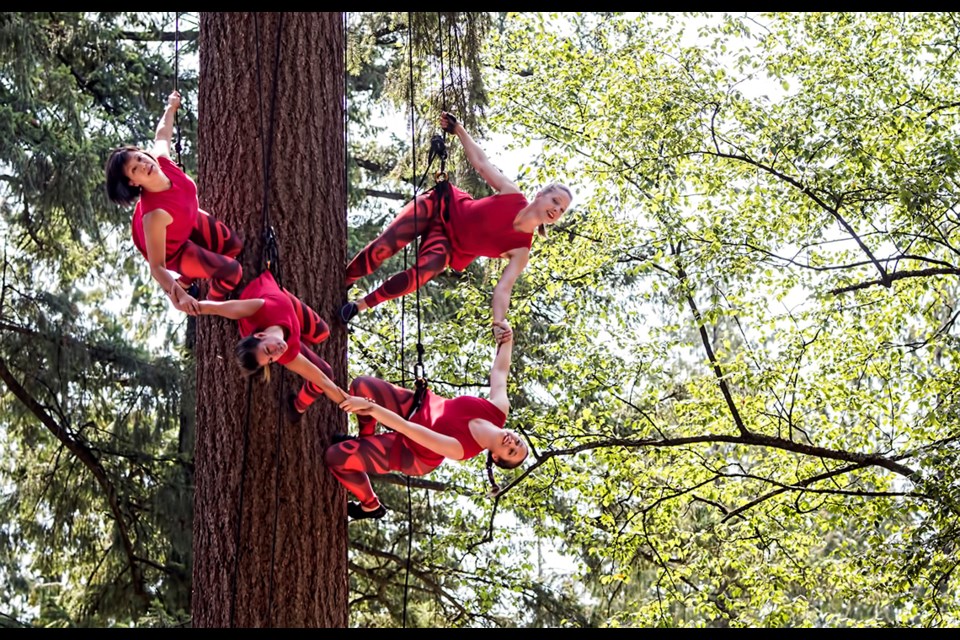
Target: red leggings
{"points": [[209, 254], [353, 460], [432, 258], [313, 330]]}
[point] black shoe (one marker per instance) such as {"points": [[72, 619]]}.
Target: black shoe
{"points": [[290, 408], [356, 512], [337, 438], [348, 311]]}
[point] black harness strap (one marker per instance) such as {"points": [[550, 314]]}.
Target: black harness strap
{"points": [[441, 190], [419, 393]]}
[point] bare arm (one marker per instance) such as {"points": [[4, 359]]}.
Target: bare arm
{"points": [[446, 446], [502, 292], [479, 160], [309, 371], [155, 233], [501, 369], [232, 309], [164, 133]]}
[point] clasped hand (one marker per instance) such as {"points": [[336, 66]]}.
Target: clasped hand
{"points": [[502, 332], [185, 302], [358, 405]]}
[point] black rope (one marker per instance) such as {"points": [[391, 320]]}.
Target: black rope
{"points": [[418, 369], [270, 252], [438, 149], [440, 139], [461, 91], [416, 254], [269, 260], [418, 395], [276, 496], [438, 143], [346, 112], [406, 579], [236, 537], [176, 84]]}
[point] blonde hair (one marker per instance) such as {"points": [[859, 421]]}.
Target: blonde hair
{"points": [[553, 186]]}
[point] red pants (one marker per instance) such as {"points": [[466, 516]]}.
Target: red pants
{"points": [[209, 254], [352, 461], [432, 258]]}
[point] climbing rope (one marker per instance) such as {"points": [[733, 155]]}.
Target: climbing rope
{"points": [[418, 369], [438, 150], [270, 261], [176, 83]]}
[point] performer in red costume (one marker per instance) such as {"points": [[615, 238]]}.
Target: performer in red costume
{"points": [[457, 428], [497, 226], [169, 227], [277, 327]]}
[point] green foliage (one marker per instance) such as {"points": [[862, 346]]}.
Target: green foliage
{"points": [[772, 199], [97, 489]]}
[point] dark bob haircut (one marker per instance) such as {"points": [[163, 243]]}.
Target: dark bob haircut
{"points": [[119, 189]]}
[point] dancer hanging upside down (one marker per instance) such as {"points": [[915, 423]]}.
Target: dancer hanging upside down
{"points": [[169, 227], [457, 428], [276, 327], [497, 226]]}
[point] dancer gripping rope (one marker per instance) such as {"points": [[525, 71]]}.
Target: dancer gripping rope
{"points": [[169, 228], [456, 229]]}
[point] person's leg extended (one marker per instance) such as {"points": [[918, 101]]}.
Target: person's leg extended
{"points": [[387, 395], [432, 259], [352, 461], [405, 227]]}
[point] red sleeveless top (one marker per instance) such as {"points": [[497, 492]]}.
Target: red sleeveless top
{"points": [[180, 201], [452, 417], [484, 226], [276, 310]]}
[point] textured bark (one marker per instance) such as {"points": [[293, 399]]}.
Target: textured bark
{"points": [[270, 536]]}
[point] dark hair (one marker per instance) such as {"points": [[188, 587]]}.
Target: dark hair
{"points": [[494, 487], [503, 464], [246, 354], [119, 189]]}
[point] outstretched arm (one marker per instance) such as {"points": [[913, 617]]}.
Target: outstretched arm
{"points": [[309, 371], [446, 446], [164, 133], [477, 158], [155, 234], [232, 309], [502, 292], [501, 367]]}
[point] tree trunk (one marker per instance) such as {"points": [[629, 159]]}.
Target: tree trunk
{"points": [[270, 536]]}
